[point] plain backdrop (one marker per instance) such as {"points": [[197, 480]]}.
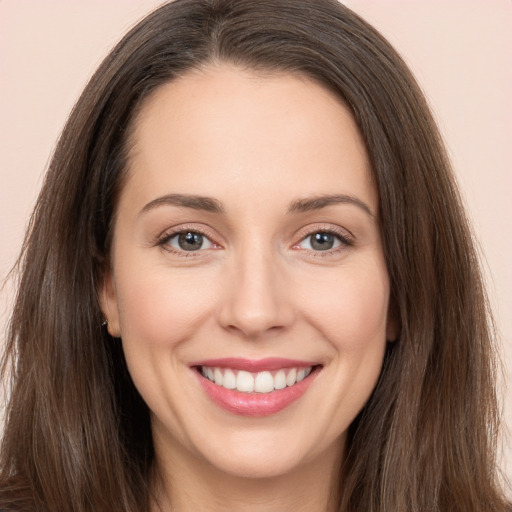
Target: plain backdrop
{"points": [[460, 51]]}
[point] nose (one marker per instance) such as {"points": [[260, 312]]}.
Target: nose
{"points": [[257, 301]]}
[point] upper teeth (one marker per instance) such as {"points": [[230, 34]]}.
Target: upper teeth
{"points": [[260, 382]]}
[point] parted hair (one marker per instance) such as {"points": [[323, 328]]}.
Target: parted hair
{"points": [[77, 434]]}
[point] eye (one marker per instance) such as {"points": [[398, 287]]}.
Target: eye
{"points": [[188, 241], [323, 241]]}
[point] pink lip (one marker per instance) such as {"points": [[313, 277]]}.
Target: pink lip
{"points": [[251, 365], [256, 404]]}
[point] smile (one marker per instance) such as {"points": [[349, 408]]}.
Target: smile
{"points": [[259, 382], [255, 388]]}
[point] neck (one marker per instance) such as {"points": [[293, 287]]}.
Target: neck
{"points": [[181, 486]]}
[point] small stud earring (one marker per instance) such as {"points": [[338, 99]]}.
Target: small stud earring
{"points": [[109, 328]]}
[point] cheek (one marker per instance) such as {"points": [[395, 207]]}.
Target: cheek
{"points": [[350, 307], [160, 312], [352, 318], [162, 307]]}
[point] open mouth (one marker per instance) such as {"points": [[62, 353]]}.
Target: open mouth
{"points": [[255, 387], [256, 382]]}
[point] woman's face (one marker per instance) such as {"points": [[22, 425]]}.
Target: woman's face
{"points": [[247, 252]]}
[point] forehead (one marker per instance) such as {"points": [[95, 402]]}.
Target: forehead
{"points": [[224, 126]]}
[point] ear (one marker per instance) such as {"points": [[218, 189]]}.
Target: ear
{"points": [[108, 302]]}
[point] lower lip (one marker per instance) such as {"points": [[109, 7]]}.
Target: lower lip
{"points": [[256, 404]]}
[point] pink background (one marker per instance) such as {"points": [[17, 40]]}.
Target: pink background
{"points": [[460, 51]]}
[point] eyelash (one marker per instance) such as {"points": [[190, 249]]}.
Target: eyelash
{"points": [[164, 239], [345, 241]]}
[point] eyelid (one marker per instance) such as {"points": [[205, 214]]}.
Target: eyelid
{"points": [[346, 237], [166, 235]]}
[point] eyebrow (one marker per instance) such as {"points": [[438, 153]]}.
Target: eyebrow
{"points": [[319, 202], [207, 204], [212, 205]]}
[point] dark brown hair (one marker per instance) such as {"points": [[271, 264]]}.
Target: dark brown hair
{"points": [[77, 434]]}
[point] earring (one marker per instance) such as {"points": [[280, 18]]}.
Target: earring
{"points": [[109, 329]]}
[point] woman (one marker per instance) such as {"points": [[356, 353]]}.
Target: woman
{"points": [[249, 284]]}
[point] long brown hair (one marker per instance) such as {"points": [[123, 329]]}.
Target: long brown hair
{"points": [[77, 434]]}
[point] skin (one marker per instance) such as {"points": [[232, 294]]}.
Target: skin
{"points": [[257, 288]]}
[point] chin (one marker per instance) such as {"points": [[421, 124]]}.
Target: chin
{"points": [[259, 466], [260, 455]]}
